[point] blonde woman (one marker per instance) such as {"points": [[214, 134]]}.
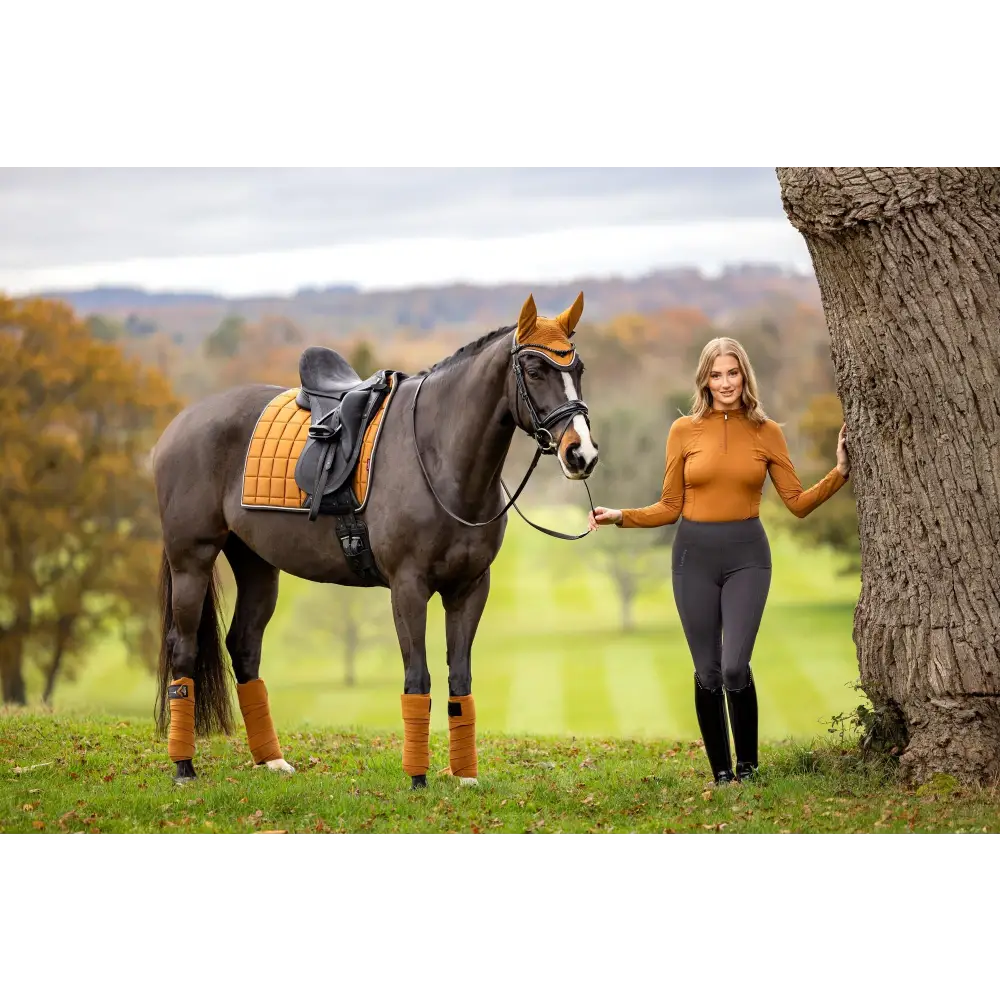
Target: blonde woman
{"points": [[717, 459]]}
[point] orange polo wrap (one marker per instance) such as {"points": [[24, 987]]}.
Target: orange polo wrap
{"points": [[261, 735], [180, 738], [416, 733], [462, 756]]}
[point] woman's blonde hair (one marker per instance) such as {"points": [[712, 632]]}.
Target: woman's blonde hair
{"points": [[701, 404]]}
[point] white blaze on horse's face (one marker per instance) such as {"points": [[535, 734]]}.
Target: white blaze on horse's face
{"points": [[577, 440], [552, 339]]}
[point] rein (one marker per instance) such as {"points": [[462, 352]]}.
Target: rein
{"points": [[540, 431]]}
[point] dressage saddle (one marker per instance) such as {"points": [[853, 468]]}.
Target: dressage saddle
{"points": [[341, 406]]}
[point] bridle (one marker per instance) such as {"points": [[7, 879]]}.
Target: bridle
{"points": [[540, 431]]}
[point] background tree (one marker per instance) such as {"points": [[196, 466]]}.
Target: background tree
{"points": [[362, 358], [353, 617], [78, 525], [226, 339], [908, 262]]}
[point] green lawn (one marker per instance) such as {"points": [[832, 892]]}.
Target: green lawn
{"points": [[549, 657], [106, 775]]}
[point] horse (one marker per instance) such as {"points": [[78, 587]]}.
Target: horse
{"points": [[435, 520]]}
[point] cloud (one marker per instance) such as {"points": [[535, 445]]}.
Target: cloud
{"points": [[269, 230]]}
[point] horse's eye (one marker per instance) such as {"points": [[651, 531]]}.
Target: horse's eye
{"points": [[534, 374]]}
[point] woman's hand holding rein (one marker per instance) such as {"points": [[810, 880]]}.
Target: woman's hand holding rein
{"points": [[603, 515]]}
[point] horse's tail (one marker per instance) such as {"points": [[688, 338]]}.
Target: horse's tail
{"points": [[213, 711]]}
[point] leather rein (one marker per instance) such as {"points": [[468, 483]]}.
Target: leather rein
{"points": [[540, 431]]}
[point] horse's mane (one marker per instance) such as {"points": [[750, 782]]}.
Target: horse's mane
{"points": [[469, 350]]}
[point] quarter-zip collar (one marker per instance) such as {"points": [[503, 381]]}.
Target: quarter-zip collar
{"points": [[724, 415]]}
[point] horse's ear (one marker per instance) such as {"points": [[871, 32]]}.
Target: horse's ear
{"points": [[527, 320], [571, 316]]}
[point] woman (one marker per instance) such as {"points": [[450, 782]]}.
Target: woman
{"points": [[717, 458]]}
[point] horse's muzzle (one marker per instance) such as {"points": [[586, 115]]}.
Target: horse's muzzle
{"points": [[575, 464]]}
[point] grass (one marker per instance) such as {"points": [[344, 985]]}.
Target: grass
{"points": [[549, 658], [109, 775]]}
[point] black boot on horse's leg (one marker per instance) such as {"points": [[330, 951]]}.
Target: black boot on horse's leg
{"points": [[743, 715], [710, 707]]}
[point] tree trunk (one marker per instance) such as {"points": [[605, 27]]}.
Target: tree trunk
{"points": [[351, 641], [908, 263], [627, 589], [12, 687], [64, 628]]}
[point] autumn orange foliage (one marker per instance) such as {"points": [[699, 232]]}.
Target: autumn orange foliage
{"points": [[79, 535]]}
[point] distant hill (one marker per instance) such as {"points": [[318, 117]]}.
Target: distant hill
{"points": [[345, 311], [112, 299]]}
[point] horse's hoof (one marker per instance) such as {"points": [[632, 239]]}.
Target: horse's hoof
{"points": [[468, 781], [184, 772], [418, 781], [280, 765]]}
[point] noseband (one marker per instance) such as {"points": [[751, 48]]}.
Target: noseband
{"points": [[540, 431]]}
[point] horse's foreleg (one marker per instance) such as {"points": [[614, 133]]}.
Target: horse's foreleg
{"points": [[256, 598], [409, 612], [463, 611]]}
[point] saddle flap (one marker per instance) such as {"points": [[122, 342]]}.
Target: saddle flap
{"points": [[327, 460]]}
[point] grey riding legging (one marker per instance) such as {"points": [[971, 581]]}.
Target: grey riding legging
{"points": [[721, 575]]}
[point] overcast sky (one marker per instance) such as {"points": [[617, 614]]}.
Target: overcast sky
{"points": [[250, 231]]}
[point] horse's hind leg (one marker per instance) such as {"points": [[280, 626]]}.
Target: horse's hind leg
{"points": [[256, 597], [463, 611], [409, 612], [193, 690]]}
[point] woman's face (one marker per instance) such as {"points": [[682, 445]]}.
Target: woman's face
{"points": [[725, 382]]}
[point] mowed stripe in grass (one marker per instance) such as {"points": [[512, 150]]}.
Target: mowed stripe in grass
{"points": [[639, 693]]}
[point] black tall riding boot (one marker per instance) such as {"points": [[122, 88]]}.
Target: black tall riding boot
{"points": [[743, 716], [710, 707]]}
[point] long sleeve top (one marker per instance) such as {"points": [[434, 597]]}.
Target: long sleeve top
{"points": [[716, 468]]}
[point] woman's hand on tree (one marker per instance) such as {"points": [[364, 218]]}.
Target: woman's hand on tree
{"points": [[843, 458], [603, 515]]}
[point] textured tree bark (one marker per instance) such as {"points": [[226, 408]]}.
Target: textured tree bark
{"points": [[908, 263]]}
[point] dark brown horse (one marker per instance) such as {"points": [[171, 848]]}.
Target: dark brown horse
{"points": [[432, 518]]}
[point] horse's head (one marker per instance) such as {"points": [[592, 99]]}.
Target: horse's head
{"points": [[547, 387]]}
